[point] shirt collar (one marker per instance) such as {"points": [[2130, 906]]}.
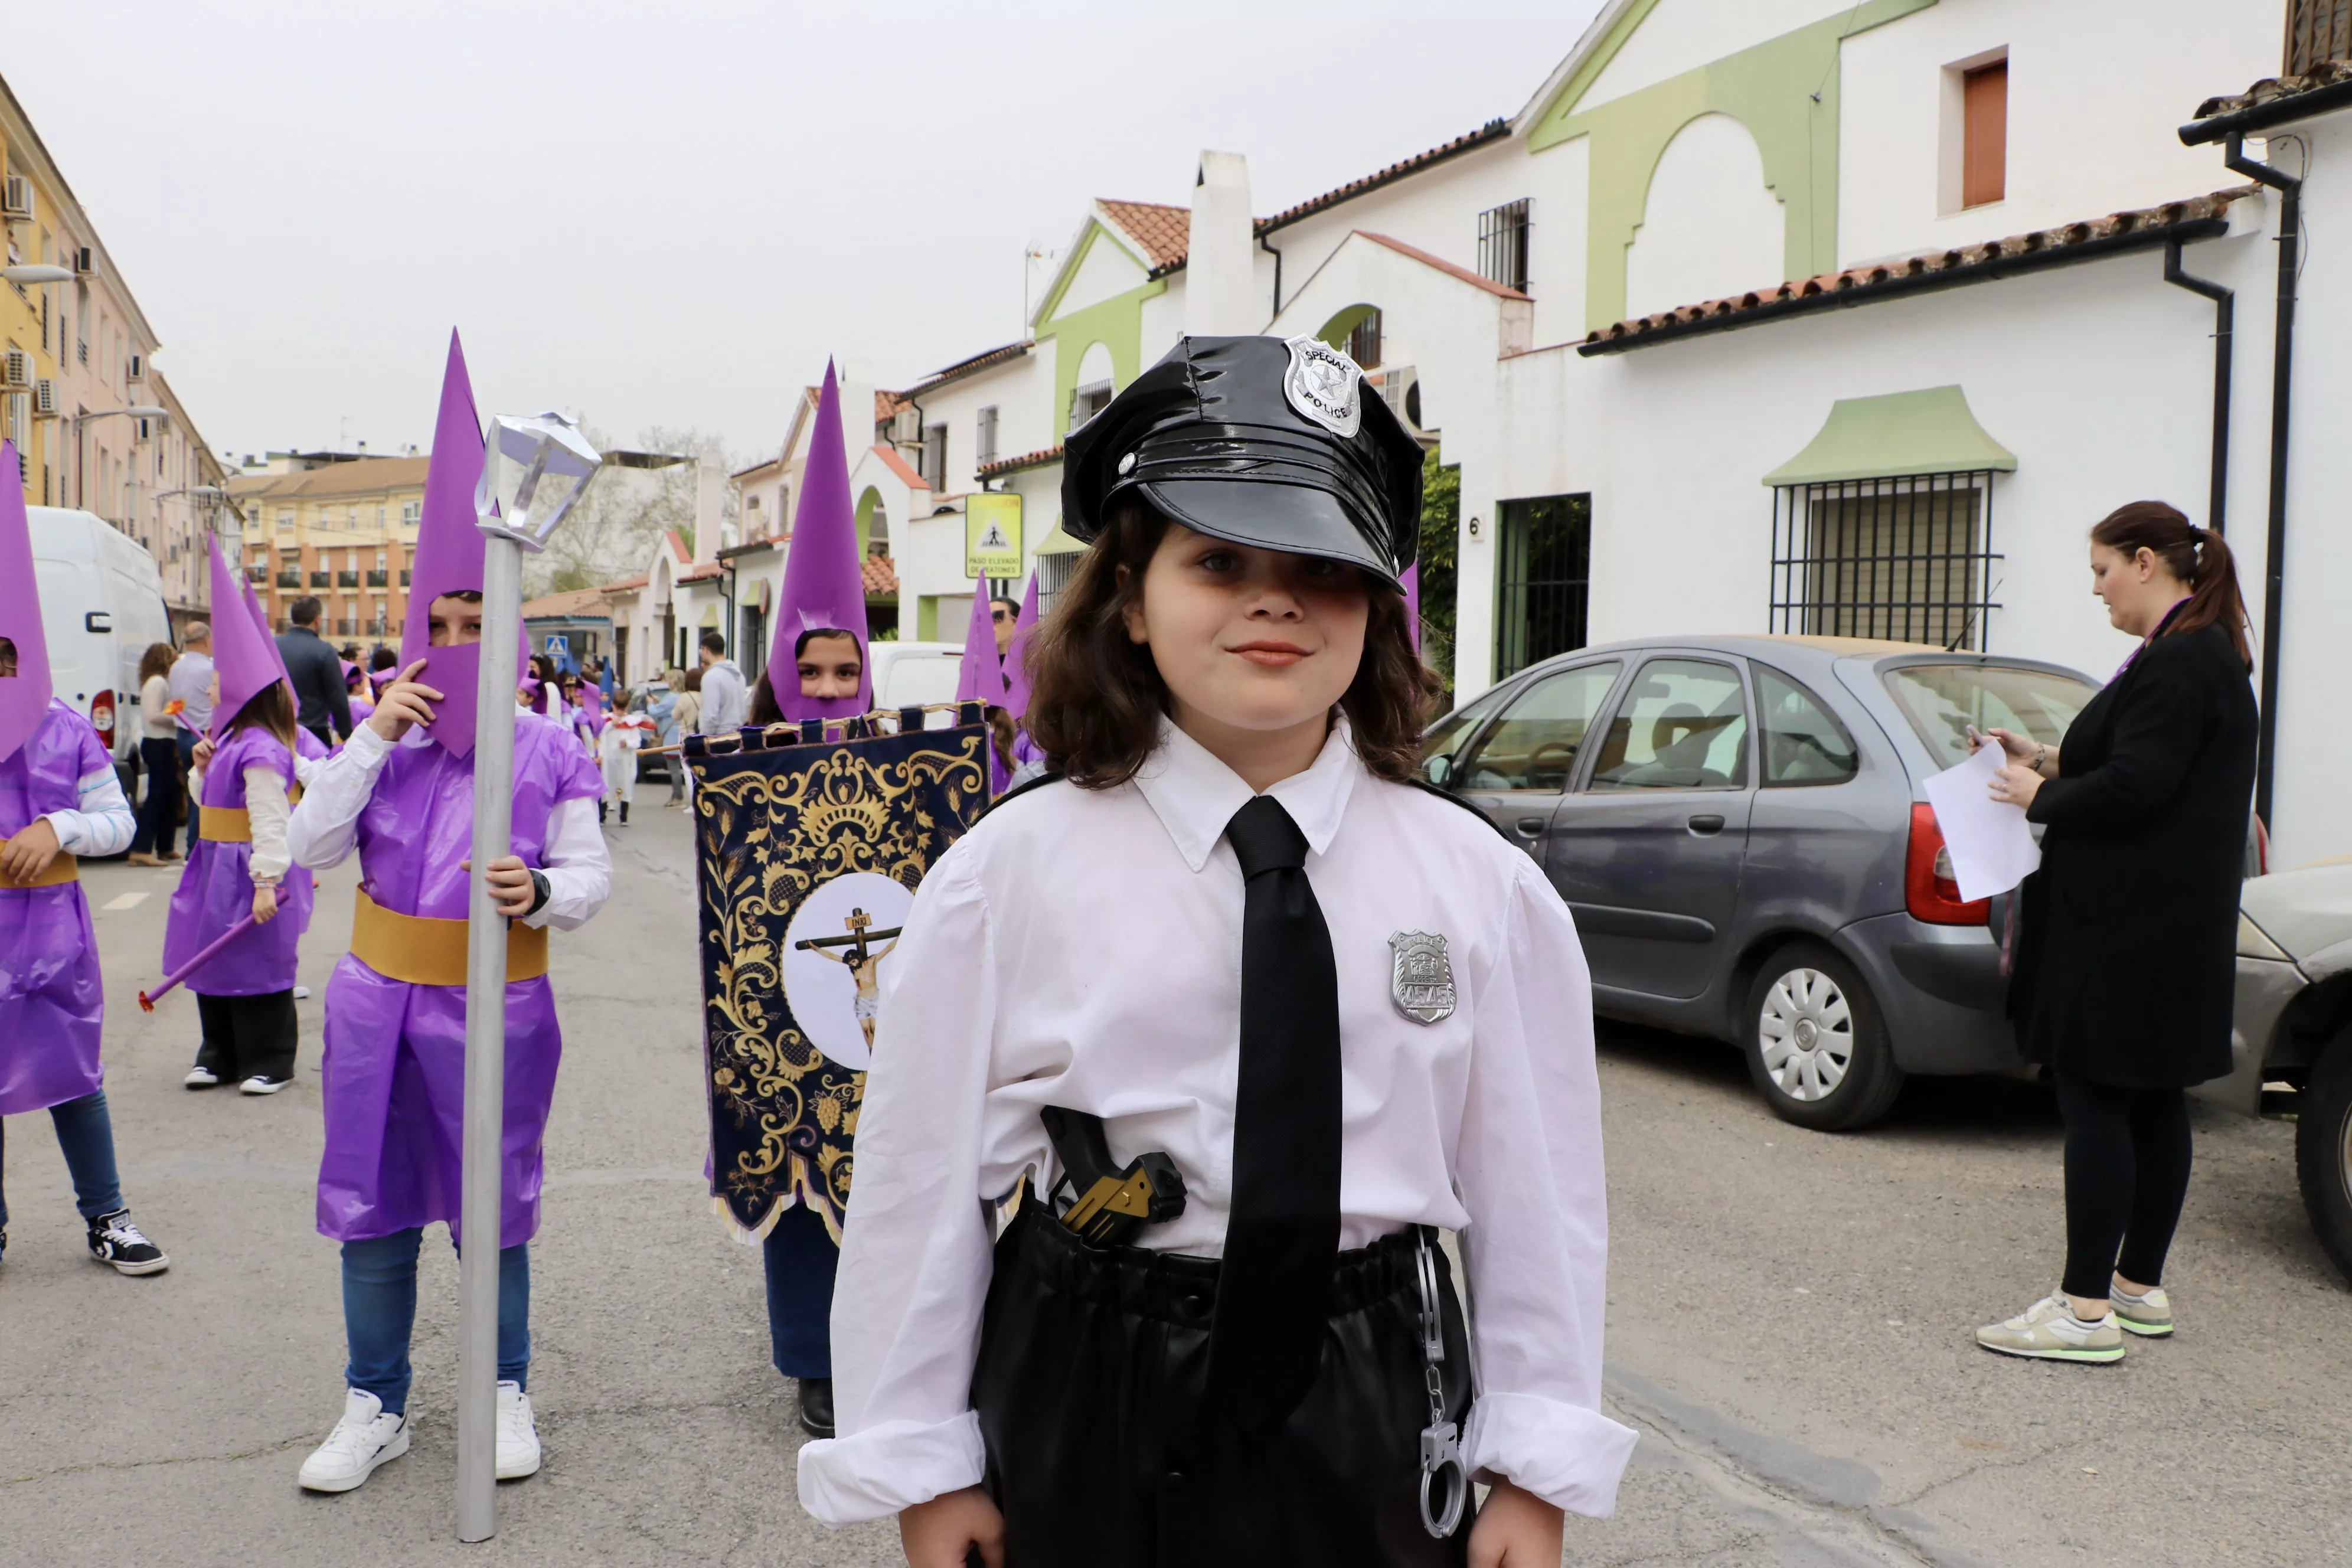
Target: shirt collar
{"points": [[1195, 796]]}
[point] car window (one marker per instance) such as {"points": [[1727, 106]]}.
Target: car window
{"points": [[1803, 742], [1442, 741], [1683, 724], [1534, 745], [1941, 700]]}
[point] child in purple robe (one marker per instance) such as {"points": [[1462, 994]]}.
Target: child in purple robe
{"points": [[240, 864], [401, 792], [59, 799], [355, 681]]}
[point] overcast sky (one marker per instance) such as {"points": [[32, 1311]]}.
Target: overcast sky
{"points": [[671, 214]]}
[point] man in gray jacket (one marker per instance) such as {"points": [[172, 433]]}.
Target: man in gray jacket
{"points": [[726, 701], [318, 675]]}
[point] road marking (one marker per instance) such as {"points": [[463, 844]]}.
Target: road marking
{"points": [[124, 902]]}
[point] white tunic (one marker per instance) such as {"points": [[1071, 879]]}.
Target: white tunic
{"points": [[1082, 948]]}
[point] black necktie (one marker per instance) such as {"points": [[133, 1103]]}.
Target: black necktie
{"points": [[1274, 1295]]}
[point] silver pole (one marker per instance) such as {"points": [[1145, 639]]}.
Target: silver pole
{"points": [[485, 1041]]}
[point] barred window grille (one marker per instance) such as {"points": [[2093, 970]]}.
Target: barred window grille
{"points": [[1908, 559], [1546, 578], [1363, 344], [1054, 574], [2318, 31], [1503, 244], [984, 444]]}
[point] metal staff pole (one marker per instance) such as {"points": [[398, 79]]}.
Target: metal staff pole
{"points": [[532, 472]]}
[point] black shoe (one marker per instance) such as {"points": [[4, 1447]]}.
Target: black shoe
{"points": [[624, 811], [816, 1405], [117, 1243], [599, 810], [3, 1244]]}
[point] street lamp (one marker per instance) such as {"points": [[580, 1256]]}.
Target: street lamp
{"points": [[534, 471], [136, 411], [38, 273]]}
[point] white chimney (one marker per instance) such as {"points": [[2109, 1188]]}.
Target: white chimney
{"points": [[1220, 293], [709, 510], [856, 410]]}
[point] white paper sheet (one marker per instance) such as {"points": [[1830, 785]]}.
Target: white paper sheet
{"points": [[1991, 846]]}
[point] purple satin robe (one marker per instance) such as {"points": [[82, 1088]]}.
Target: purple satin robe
{"points": [[52, 1001], [216, 889], [395, 1065]]}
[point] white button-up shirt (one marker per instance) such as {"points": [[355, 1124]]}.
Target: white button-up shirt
{"points": [[1082, 948]]}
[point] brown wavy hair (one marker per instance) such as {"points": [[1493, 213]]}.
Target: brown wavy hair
{"points": [[1097, 698], [270, 709], [2195, 555]]}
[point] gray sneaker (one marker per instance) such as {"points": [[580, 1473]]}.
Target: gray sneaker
{"points": [[2048, 1330], [2148, 1316]]}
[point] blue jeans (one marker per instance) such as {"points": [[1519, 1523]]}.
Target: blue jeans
{"points": [[380, 1314], [85, 1135], [159, 814], [801, 1259]]}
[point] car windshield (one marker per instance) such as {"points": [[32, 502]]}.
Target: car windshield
{"points": [[1443, 741], [1943, 699]]}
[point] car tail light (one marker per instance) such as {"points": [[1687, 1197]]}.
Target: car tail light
{"points": [[101, 716], [1929, 892]]}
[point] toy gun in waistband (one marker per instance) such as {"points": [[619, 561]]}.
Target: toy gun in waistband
{"points": [[1108, 1204]]}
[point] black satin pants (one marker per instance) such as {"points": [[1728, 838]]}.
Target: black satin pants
{"points": [[1103, 1453]]}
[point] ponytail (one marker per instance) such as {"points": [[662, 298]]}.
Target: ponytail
{"points": [[2198, 556]]}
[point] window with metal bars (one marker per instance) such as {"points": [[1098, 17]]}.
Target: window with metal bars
{"points": [[1503, 244], [1547, 569], [1363, 344], [1907, 558], [984, 440], [2316, 31]]}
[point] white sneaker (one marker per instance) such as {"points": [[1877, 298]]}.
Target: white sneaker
{"points": [[262, 1083], [518, 1434], [201, 1077], [365, 1437], [301, 993], [2048, 1330]]}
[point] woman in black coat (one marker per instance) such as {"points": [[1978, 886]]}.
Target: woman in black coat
{"points": [[2126, 937]]}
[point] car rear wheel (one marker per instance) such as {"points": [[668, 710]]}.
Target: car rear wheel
{"points": [[2323, 1150], [1816, 1045]]}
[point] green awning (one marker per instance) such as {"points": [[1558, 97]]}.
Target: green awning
{"points": [[1057, 543], [1926, 432]]}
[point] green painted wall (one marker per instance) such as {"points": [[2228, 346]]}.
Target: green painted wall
{"points": [[927, 618], [1117, 323], [865, 505], [1784, 90]]}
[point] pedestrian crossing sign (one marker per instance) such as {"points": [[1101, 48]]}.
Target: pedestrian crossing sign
{"points": [[992, 535]]}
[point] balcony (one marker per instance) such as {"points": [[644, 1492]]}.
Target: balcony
{"points": [[322, 579], [289, 579], [347, 579], [346, 628], [375, 579], [257, 574], [404, 576]]}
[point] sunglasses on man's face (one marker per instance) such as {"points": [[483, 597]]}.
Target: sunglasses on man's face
{"points": [[1000, 615]]}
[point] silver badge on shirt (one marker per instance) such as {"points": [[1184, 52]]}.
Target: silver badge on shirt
{"points": [[1324, 386], [1421, 976]]}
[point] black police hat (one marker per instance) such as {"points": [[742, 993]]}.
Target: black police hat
{"points": [[1257, 440]]}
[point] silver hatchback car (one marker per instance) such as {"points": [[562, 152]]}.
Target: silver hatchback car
{"points": [[1737, 825]]}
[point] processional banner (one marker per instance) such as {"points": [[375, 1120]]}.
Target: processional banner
{"points": [[811, 840]]}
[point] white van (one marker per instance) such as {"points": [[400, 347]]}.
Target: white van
{"points": [[101, 606]]}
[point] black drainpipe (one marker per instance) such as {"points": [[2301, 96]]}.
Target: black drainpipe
{"points": [[2225, 304], [1270, 250], [2290, 245]]}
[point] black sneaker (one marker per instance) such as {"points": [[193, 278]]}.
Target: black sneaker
{"points": [[262, 1083], [816, 1406], [116, 1242], [3, 1244]]}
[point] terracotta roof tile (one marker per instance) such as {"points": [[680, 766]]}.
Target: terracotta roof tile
{"points": [[1038, 459], [1493, 131], [881, 577], [1448, 268], [1163, 232], [1903, 273], [2270, 90]]}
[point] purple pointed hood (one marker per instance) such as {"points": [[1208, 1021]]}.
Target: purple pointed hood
{"points": [[24, 699], [823, 582], [981, 677], [245, 656], [448, 560], [1016, 662]]}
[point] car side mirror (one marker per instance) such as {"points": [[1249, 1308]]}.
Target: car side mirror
{"points": [[1440, 769]]}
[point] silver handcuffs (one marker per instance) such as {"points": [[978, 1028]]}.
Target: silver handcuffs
{"points": [[1444, 1485]]}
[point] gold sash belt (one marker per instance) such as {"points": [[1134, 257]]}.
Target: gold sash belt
{"points": [[224, 825], [423, 951], [62, 868]]}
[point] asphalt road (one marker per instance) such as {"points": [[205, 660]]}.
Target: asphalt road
{"points": [[1790, 1320]]}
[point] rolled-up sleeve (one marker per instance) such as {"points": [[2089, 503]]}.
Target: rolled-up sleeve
{"points": [[915, 1257], [1530, 1174]]}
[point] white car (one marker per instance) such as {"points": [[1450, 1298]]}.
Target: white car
{"points": [[101, 606], [911, 674]]}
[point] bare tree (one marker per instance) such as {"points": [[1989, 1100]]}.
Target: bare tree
{"points": [[609, 536]]}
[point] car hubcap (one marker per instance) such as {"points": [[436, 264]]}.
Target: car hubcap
{"points": [[1805, 1032]]}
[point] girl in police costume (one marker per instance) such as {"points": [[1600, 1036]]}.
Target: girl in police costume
{"points": [[1345, 1011]]}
